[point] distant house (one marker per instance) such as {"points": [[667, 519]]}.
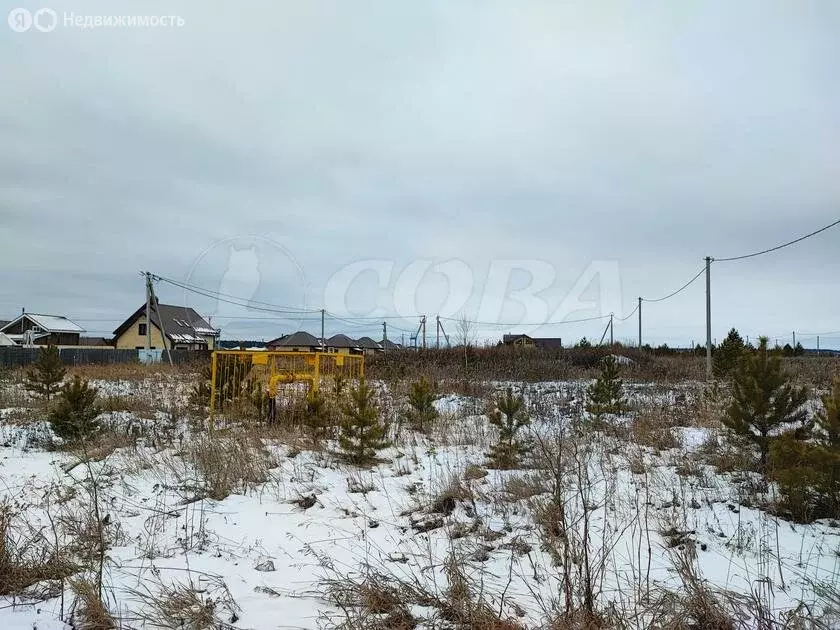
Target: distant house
{"points": [[184, 329], [368, 345], [342, 344], [299, 341], [526, 341], [521, 341], [387, 344], [43, 330]]}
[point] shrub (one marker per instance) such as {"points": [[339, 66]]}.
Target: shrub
{"points": [[808, 473], [45, 375], [362, 432], [605, 395], [794, 466], [764, 402], [421, 412], [828, 440], [728, 354], [228, 464], [316, 414], [74, 417], [509, 415]]}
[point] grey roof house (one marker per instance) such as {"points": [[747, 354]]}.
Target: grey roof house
{"points": [[42, 330]]}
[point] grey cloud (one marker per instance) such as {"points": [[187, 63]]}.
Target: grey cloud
{"points": [[564, 132]]}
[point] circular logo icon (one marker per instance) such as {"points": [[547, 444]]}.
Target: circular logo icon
{"points": [[45, 20], [20, 20], [251, 287]]}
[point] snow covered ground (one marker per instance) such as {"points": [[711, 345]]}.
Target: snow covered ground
{"points": [[268, 554]]}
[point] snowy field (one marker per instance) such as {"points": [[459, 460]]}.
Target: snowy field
{"points": [[637, 525]]}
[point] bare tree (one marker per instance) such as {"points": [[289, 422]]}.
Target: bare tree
{"points": [[465, 334]]}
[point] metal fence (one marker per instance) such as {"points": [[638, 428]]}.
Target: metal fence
{"points": [[16, 356]]}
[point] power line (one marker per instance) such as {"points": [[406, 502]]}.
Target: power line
{"points": [[215, 294], [773, 249], [567, 321], [375, 318], [629, 315], [680, 290]]}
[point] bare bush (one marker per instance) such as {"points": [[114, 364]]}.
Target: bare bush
{"points": [[89, 611], [185, 605], [229, 464], [27, 557]]}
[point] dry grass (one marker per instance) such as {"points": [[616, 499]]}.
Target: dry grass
{"points": [[380, 601], [187, 606], [231, 463], [524, 487], [474, 472], [138, 405], [26, 557], [652, 427], [132, 371], [90, 611], [449, 496], [696, 605]]}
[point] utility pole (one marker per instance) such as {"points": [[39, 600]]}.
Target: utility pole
{"points": [[156, 303], [148, 314], [818, 345], [423, 325], [611, 330], [437, 332], [708, 317], [384, 336], [640, 323], [794, 340], [323, 339]]}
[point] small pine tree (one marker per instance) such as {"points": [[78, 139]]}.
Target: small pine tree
{"points": [[74, 417], [808, 473], [45, 375], [827, 428], [728, 354], [764, 401], [508, 415], [583, 343], [339, 383], [316, 414], [362, 433], [606, 394], [421, 412]]}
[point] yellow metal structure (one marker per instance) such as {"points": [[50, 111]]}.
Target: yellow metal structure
{"points": [[257, 376]]}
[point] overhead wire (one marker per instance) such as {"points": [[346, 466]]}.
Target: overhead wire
{"points": [[358, 321], [275, 308], [680, 290], [778, 247]]}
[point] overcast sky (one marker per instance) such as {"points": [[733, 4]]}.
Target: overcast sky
{"points": [[267, 150]]}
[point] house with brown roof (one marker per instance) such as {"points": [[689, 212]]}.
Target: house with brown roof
{"points": [[526, 341], [368, 345], [172, 327], [300, 341], [342, 344]]}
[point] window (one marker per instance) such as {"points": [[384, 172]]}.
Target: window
{"points": [[141, 330]]}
